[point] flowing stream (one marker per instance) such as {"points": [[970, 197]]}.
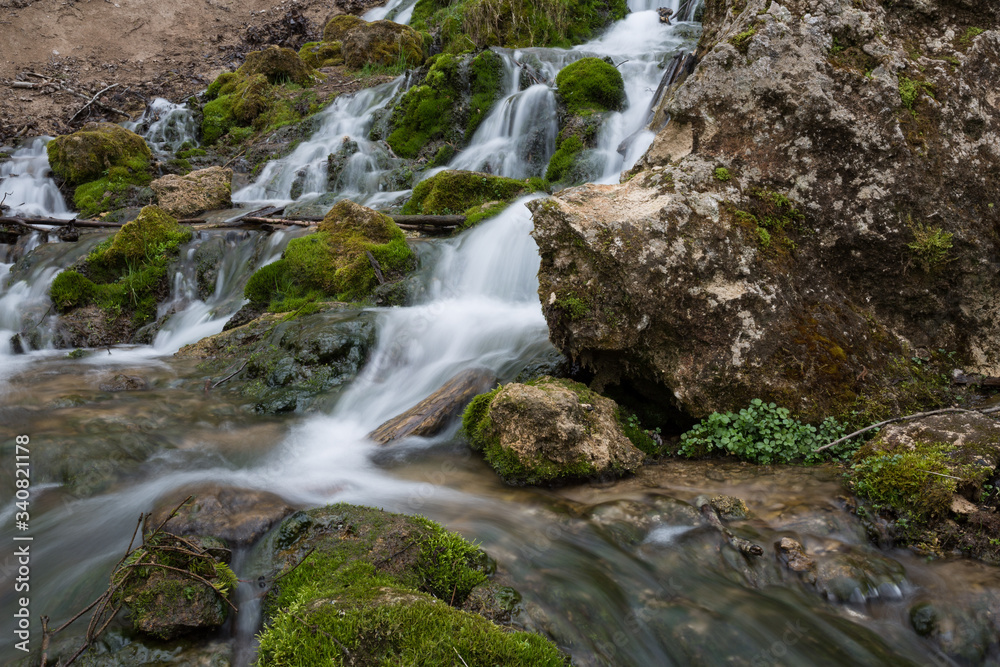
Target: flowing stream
{"points": [[616, 574]]}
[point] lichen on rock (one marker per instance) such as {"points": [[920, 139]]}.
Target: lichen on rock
{"points": [[801, 279], [202, 190], [549, 430]]}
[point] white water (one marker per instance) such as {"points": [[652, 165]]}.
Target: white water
{"points": [[399, 11], [166, 126], [26, 183], [515, 140]]}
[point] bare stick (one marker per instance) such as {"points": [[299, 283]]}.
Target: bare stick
{"points": [[232, 375], [375, 265], [285, 574], [92, 100], [918, 415]]}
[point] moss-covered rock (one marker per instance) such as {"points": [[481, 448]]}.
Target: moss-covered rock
{"points": [[475, 194], [590, 85], [278, 65], [382, 43], [338, 26], [124, 277], [382, 587], [322, 54], [932, 478], [514, 23], [87, 154], [296, 362], [549, 430]]}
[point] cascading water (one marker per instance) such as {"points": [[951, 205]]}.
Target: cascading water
{"points": [[166, 126], [660, 595], [399, 11], [26, 184]]}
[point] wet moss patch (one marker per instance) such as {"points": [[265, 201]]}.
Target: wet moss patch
{"points": [[474, 194], [590, 85], [383, 588]]}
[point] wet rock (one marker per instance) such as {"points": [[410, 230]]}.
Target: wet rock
{"points": [[122, 382], [237, 516], [779, 277], [436, 412], [284, 365], [202, 190], [793, 556], [549, 430], [857, 577], [730, 508], [116, 648], [166, 604]]}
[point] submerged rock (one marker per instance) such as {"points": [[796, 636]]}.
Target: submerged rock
{"points": [[239, 517], [433, 414], [202, 190], [788, 235], [122, 382], [385, 586], [547, 430]]}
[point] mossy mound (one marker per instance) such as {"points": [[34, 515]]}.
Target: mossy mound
{"points": [[443, 111], [514, 23], [473, 193], [256, 97], [383, 43], [322, 54], [339, 25], [279, 65], [87, 154], [333, 263], [932, 480], [386, 589], [590, 85], [550, 430], [108, 165], [126, 275]]}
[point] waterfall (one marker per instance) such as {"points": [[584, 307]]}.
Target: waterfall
{"points": [[26, 181], [166, 126]]}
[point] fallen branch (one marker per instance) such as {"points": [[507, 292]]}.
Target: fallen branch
{"points": [[918, 415], [376, 266]]}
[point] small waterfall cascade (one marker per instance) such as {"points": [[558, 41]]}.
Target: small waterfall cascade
{"points": [[26, 312], [26, 184], [166, 126], [343, 131], [519, 135], [399, 11], [192, 314]]}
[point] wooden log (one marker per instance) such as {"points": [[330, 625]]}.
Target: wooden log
{"points": [[431, 415], [430, 220]]}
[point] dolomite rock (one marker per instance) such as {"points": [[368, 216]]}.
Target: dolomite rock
{"points": [[769, 243]]}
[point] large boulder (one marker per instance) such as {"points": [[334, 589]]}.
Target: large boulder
{"points": [[549, 430], [819, 204], [237, 516], [202, 190]]}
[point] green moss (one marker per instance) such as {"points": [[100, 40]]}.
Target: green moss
{"points": [[278, 65], [217, 118], [381, 585], [454, 192], [425, 112], [910, 90], [562, 160], [268, 283], [914, 483], [128, 272], [338, 26], [742, 40], [590, 85], [930, 247], [722, 174], [70, 290], [116, 190], [969, 35], [574, 307], [639, 436], [475, 24], [383, 43], [322, 54], [486, 74], [89, 154]]}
